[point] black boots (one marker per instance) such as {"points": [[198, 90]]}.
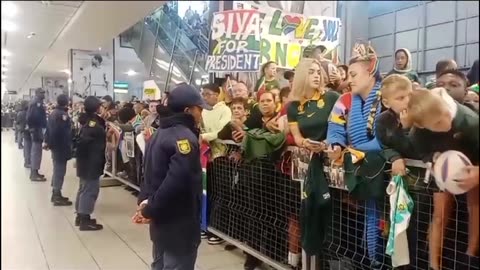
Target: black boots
{"points": [[58, 200], [36, 177], [87, 224]]}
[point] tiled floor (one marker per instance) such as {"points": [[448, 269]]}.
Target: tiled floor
{"points": [[37, 236]]}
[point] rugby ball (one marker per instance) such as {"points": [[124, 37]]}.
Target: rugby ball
{"points": [[448, 168]]}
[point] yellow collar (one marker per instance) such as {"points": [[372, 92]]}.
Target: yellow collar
{"points": [[316, 96]]}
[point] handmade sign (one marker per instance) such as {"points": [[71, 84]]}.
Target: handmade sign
{"points": [[285, 35], [235, 39]]}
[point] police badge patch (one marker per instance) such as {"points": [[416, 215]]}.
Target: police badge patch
{"points": [[91, 123], [183, 146], [64, 117]]}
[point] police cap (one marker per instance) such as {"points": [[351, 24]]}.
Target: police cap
{"points": [[184, 96]]}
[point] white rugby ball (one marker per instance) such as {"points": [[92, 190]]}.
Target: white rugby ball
{"points": [[448, 168]]}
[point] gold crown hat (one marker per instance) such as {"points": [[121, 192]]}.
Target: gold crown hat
{"points": [[365, 53]]}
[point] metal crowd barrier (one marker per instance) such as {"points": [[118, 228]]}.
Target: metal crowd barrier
{"points": [[256, 207], [252, 206], [113, 174]]}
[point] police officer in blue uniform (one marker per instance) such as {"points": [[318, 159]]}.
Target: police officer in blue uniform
{"points": [[58, 139], [90, 158], [23, 133], [170, 196], [37, 124]]}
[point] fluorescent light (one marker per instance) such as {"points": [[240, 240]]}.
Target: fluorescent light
{"points": [[9, 8], [120, 91], [9, 26], [131, 72], [5, 62], [66, 71], [6, 53], [4, 76], [99, 48], [4, 69], [69, 80]]}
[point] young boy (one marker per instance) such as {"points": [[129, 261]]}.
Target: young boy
{"points": [[392, 135], [441, 124], [455, 82]]}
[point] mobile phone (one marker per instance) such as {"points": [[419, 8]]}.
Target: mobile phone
{"points": [[314, 142]]}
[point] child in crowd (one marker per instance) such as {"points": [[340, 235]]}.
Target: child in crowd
{"points": [[403, 65], [390, 130], [440, 124], [455, 82]]}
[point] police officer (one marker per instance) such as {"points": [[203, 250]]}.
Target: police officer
{"points": [[37, 124], [59, 140], [21, 122], [90, 156], [24, 133], [170, 197]]}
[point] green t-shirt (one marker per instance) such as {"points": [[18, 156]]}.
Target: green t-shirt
{"points": [[269, 85], [312, 116]]}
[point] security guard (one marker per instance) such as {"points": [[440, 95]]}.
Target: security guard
{"points": [[171, 194], [23, 133], [37, 123], [90, 157], [59, 140]]}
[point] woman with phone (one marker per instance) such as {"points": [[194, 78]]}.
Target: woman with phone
{"points": [[307, 117]]}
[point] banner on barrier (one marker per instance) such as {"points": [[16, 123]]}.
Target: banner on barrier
{"points": [[285, 35], [235, 37]]}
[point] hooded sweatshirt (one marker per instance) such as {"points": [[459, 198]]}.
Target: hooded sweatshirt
{"points": [[407, 71]]}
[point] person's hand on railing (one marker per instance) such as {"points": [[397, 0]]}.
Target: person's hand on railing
{"points": [[398, 167]]}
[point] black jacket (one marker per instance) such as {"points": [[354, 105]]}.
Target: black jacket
{"points": [[173, 184], [393, 137], [59, 134], [36, 114], [91, 144]]}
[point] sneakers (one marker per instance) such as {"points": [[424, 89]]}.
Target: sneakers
{"points": [[203, 235], [87, 224], [215, 240]]}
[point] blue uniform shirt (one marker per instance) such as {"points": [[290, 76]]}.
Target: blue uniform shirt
{"points": [[59, 134], [173, 184], [36, 114]]}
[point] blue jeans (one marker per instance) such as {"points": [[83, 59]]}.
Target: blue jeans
{"points": [[165, 260]]}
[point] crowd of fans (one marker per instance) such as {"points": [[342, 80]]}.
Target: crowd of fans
{"points": [[339, 112]]}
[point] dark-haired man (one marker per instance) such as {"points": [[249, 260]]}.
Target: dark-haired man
{"points": [[58, 139], [455, 82], [440, 67]]}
